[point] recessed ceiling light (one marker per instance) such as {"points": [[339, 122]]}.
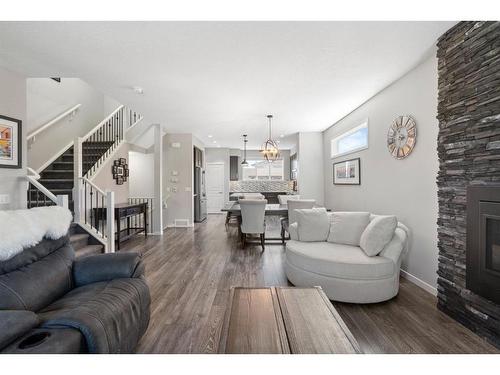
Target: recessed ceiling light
{"points": [[282, 136], [214, 142], [218, 145], [138, 90], [210, 136]]}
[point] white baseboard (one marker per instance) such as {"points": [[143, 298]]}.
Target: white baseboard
{"points": [[420, 283]]}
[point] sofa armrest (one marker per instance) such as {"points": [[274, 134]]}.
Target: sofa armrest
{"points": [[293, 231], [14, 324], [106, 267], [396, 247]]}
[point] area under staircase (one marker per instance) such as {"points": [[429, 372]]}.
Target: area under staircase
{"points": [[66, 180]]}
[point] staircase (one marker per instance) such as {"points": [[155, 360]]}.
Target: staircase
{"points": [[90, 234], [58, 177], [83, 243]]}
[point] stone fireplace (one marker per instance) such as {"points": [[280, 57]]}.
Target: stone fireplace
{"points": [[469, 176]]}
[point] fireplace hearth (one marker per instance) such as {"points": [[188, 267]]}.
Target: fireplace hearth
{"points": [[483, 241]]}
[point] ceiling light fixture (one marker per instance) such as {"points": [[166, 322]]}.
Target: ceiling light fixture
{"points": [[270, 149], [210, 136], [244, 162]]}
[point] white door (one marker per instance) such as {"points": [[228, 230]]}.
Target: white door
{"points": [[214, 175]]}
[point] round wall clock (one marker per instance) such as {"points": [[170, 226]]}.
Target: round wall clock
{"points": [[402, 136]]}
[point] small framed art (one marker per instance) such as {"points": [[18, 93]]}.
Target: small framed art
{"points": [[347, 172]]}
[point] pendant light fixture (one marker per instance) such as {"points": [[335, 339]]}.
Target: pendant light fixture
{"points": [[270, 149], [244, 162]]}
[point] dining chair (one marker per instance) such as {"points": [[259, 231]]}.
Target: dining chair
{"points": [[282, 199], [252, 219], [294, 204]]}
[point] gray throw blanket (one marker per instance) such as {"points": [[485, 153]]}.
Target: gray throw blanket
{"points": [[107, 313]]}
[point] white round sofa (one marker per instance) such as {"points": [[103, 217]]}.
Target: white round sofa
{"points": [[344, 271]]}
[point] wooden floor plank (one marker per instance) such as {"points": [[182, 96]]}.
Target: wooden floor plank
{"points": [[191, 270]]}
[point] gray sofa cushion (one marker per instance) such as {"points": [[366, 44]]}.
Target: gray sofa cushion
{"points": [[378, 234], [313, 224], [112, 315], [338, 260], [346, 227], [36, 277], [14, 324]]}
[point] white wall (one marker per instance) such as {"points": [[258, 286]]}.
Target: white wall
{"points": [[13, 104], [141, 179], [180, 203], [310, 177], [104, 178], [46, 99], [406, 188]]}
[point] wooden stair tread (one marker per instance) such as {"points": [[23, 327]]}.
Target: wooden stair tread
{"points": [[89, 250]]}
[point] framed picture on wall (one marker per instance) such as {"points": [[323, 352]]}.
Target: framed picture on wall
{"points": [[10, 142], [347, 172]]}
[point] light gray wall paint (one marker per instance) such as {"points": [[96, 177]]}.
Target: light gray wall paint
{"points": [[180, 203], [13, 104], [46, 99], [104, 178], [406, 188], [141, 179], [310, 177]]}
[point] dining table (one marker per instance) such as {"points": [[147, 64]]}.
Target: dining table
{"points": [[234, 209]]}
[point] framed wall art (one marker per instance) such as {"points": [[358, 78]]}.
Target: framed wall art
{"points": [[120, 171], [10, 142], [347, 172]]}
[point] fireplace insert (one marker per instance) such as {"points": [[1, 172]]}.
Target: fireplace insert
{"points": [[483, 241]]}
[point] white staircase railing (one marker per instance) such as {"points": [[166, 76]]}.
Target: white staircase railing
{"points": [[94, 207], [39, 195], [31, 138], [95, 212]]}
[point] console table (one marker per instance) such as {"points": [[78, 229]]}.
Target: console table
{"points": [[125, 211], [280, 320]]}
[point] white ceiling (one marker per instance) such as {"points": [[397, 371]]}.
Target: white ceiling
{"points": [[223, 78]]}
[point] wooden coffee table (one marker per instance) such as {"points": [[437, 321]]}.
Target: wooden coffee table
{"points": [[284, 320]]}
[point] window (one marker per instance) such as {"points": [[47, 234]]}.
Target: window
{"points": [[350, 141], [263, 171]]}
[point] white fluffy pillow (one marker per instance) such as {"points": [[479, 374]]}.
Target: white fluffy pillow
{"points": [[378, 234], [346, 227], [313, 224]]}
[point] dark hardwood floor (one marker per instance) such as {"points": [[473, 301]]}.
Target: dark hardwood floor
{"points": [[190, 271]]}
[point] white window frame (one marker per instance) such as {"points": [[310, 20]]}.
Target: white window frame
{"points": [[268, 172], [334, 142]]}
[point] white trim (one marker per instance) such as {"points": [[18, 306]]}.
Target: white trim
{"points": [[107, 160], [101, 123], [420, 283], [362, 124], [54, 157], [72, 110]]}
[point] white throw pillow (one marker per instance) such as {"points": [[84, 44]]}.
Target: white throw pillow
{"points": [[378, 234], [313, 224], [346, 227]]}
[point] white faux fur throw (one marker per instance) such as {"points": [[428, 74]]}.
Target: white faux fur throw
{"points": [[20, 229]]}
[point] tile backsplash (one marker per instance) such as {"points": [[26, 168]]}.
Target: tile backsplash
{"points": [[260, 186]]}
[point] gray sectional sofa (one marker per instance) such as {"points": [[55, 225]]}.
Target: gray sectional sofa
{"points": [[52, 303]]}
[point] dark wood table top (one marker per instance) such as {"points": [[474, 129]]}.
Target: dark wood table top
{"points": [[271, 209], [280, 320]]}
